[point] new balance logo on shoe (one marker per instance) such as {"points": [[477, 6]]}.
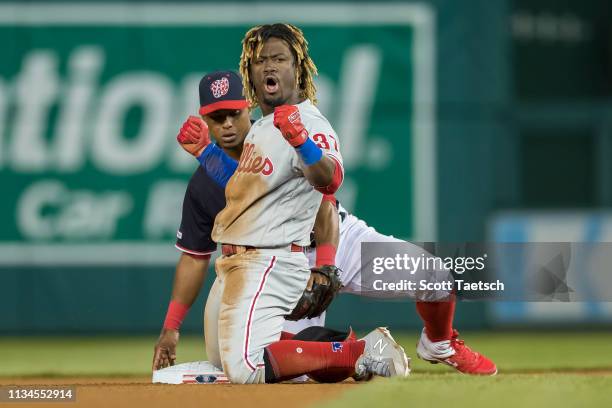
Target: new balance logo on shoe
{"points": [[381, 345]]}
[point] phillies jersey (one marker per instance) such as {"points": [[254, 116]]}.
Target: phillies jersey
{"points": [[269, 202]]}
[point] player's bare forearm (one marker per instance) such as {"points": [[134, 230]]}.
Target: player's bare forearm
{"points": [[188, 278], [321, 173], [327, 225]]}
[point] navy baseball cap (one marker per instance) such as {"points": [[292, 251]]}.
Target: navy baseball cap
{"points": [[221, 90]]}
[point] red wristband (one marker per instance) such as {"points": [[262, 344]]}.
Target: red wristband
{"points": [[326, 254], [176, 313], [329, 197]]}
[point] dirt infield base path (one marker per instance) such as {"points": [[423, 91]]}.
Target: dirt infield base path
{"points": [[139, 392]]}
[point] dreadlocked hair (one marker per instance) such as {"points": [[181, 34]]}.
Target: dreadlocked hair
{"points": [[252, 44]]}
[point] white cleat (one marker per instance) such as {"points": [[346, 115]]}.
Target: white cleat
{"points": [[381, 356]]}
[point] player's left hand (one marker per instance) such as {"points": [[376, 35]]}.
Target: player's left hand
{"points": [[316, 278], [287, 119], [165, 349], [193, 136]]}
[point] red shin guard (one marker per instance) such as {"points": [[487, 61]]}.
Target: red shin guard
{"points": [[292, 358]]}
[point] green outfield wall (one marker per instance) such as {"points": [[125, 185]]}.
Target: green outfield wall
{"points": [[92, 95]]}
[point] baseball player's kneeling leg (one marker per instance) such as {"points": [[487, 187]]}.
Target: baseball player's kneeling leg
{"points": [[317, 333], [259, 289], [211, 321], [322, 360]]}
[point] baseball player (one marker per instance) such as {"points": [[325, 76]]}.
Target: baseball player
{"points": [[439, 342], [271, 201], [224, 109]]}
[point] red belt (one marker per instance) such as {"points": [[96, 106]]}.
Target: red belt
{"points": [[229, 249]]}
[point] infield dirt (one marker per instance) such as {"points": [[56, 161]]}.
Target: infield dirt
{"points": [[139, 392]]}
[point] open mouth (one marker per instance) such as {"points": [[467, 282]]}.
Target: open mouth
{"points": [[228, 138], [271, 85]]}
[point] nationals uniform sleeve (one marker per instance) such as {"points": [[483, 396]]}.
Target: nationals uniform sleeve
{"points": [[203, 200]]}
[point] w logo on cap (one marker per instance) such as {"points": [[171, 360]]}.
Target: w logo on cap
{"points": [[219, 87]]}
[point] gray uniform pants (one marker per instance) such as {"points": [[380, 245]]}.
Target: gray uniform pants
{"points": [[246, 306]]}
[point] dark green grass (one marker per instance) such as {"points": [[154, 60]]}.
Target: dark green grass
{"points": [[537, 370], [514, 353], [505, 390], [87, 356]]}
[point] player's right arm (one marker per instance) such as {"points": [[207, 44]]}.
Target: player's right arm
{"points": [[322, 163], [194, 138], [188, 278]]}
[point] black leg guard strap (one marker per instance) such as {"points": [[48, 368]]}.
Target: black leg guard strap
{"points": [[318, 333]]}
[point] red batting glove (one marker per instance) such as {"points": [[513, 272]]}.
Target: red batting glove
{"points": [[193, 136], [287, 119]]}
